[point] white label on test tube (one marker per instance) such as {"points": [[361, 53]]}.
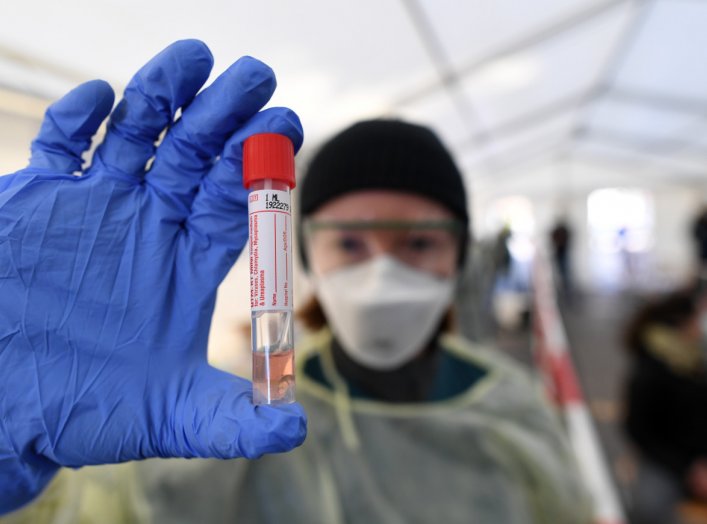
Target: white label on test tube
{"points": [[269, 213]]}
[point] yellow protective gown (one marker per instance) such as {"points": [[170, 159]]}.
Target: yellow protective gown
{"points": [[494, 454]]}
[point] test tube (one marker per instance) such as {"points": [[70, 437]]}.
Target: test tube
{"points": [[269, 175]]}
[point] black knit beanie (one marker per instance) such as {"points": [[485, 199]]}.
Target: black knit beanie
{"points": [[384, 154]]}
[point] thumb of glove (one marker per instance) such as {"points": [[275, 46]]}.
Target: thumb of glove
{"points": [[217, 419]]}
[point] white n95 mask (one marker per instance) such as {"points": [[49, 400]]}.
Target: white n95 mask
{"points": [[382, 311]]}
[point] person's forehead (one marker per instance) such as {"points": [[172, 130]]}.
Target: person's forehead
{"points": [[382, 204]]}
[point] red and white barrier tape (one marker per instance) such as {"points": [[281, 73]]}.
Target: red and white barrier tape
{"points": [[555, 363]]}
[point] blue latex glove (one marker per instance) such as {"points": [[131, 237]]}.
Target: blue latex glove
{"points": [[108, 280]]}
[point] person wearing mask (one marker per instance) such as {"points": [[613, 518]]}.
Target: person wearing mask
{"points": [[666, 398], [407, 422]]}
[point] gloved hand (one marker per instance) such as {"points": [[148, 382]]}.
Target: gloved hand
{"points": [[108, 279]]}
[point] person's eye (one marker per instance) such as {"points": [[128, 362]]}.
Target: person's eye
{"points": [[421, 244], [350, 245]]}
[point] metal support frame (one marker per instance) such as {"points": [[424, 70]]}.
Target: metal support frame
{"points": [[544, 34], [628, 142], [536, 116], [663, 101], [616, 59], [450, 78], [629, 168], [576, 101]]}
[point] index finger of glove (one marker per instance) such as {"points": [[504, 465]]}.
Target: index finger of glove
{"points": [[167, 82], [217, 228]]}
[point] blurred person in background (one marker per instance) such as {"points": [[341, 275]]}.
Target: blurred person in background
{"points": [[503, 257], [474, 296], [561, 244], [699, 236], [666, 416], [407, 422]]}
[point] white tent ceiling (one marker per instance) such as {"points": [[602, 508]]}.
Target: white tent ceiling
{"points": [[513, 86]]}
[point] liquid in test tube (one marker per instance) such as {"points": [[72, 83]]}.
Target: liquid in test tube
{"points": [[269, 175]]}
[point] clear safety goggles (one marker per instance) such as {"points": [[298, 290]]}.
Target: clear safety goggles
{"points": [[428, 245]]}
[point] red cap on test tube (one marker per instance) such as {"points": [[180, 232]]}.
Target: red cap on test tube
{"points": [[268, 156]]}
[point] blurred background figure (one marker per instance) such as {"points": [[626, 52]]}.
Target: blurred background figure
{"points": [[699, 236], [561, 243], [627, 256], [502, 253], [512, 289], [666, 410], [475, 292]]}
